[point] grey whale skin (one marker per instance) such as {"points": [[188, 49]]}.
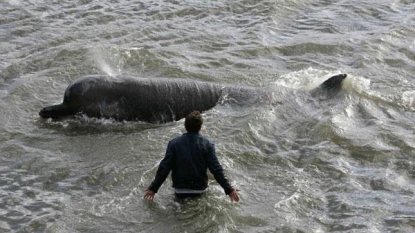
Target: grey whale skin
{"points": [[153, 100]]}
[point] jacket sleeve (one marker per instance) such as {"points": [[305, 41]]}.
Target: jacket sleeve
{"points": [[216, 169], [164, 169]]}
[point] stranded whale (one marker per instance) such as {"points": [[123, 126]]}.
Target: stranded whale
{"points": [[154, 100]]}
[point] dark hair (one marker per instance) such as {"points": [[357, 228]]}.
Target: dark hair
{"points": [[193, 122]]}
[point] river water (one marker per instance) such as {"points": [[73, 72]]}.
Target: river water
{"points": [[344, 164]]}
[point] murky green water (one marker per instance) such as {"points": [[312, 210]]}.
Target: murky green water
{"points": [[340, 165]]}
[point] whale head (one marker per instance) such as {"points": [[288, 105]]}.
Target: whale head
{"points": [[55, 111]]}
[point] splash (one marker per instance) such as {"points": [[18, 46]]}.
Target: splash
{"points": [[361, 86], [357, 84], [408, 99]]}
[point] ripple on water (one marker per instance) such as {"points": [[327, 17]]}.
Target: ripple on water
{"points": [[343, 164], [27, 206]]}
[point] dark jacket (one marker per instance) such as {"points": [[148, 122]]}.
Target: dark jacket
{"points": [[189, 156]]}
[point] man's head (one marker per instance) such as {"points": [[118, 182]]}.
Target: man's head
{"points": [[193, 122]]}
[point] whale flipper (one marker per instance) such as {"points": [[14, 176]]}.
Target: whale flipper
{"points": [[330, 87]]}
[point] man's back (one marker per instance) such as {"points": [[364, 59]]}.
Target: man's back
{"points": [[191, 153]]}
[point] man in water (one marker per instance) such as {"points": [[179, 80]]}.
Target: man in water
{"points": [[189, 156]]}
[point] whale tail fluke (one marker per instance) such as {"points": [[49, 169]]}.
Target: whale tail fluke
{"points": [[330, 87], [55, 111]]}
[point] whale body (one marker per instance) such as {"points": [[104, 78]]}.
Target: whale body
{"points": [[152, 100]]}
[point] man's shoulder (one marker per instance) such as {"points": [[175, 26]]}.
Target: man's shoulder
{"points": [[176, 139], [205, 140], [183, 137]]}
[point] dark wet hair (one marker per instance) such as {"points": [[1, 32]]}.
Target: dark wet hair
{"points": [[193, 122]]}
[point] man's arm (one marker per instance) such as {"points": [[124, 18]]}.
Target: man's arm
{"points": [[216, 169], [162, 172]]}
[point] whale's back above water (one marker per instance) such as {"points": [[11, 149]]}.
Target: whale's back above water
{"points": [[149, 100]]}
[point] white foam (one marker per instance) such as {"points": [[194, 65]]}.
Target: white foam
{"points": [[357, 84], [408, 99]]}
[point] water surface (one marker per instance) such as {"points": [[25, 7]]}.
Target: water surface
{"points": [[303, 165]]}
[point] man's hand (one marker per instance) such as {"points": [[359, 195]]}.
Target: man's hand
{"points": [[234, 195], [149, 195]]}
